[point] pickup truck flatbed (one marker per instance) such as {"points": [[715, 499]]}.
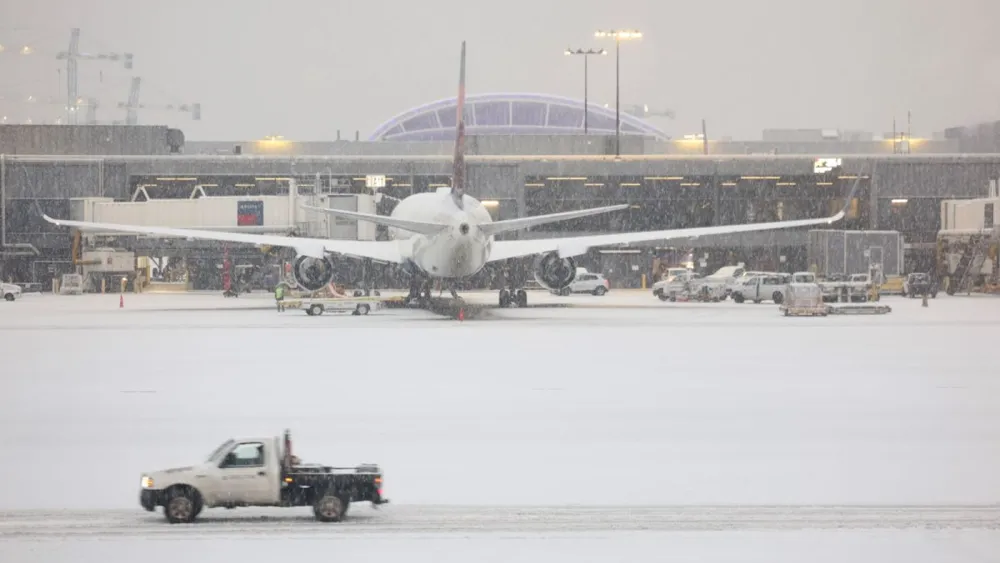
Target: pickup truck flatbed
{"points": [[259, 472]]}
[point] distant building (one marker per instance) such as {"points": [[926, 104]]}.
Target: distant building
{"points": [[509, 114]]}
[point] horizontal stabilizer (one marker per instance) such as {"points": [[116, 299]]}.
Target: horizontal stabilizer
{"points": [[413, 226], [528, 222]]}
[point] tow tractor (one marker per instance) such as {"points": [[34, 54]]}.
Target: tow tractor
{"points": [[259, 472], [315, 306]]}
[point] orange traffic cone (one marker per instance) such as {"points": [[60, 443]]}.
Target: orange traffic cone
{"points": [[461, 314], [121, 301]]}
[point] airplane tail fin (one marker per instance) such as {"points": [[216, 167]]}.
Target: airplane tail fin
{"points": [[458, 170]]}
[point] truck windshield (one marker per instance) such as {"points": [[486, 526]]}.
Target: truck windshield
{"points": [[218, 451]]}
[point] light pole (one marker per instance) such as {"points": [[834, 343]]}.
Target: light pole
{"points": [[618, 35], [586, 55]]}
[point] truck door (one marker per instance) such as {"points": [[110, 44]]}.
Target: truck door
{"points": [[246, 477], [755, 288]]}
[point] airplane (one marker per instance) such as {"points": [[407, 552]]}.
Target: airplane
{"points": [[448, 235]]}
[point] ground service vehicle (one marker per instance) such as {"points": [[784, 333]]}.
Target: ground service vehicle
{"points": [[760, 288], [803, 299], [721, 282], [586, 282], [259, 472], [10, 291], [670, 288], [918, 284]]}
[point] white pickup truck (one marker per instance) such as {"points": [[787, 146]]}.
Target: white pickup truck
{"points": [[258, 472]]}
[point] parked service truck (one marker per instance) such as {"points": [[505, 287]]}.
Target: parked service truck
{"points": [[259, 472]]}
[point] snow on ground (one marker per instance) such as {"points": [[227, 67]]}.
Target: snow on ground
{"points": [[618, 400], [704, 547]]}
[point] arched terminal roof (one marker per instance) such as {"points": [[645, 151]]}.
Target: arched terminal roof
{"points": [[508, 114]]}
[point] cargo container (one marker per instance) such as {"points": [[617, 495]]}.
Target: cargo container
{"points": [[833, 252]]}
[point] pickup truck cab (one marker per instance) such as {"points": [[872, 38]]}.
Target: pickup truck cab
{"points": [[258, 472]]}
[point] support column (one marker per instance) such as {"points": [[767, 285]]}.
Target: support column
{"points": [[873, 190]]}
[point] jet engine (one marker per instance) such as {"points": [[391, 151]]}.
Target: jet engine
{"points": [[312, 274], [553, 272]]}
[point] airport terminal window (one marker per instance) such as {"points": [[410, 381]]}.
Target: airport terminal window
{"points": [[22, 217], [447, 116], [598, 121], [916, 215], [493, 113], [247, 454], [528, 113], [562, 116], [421, 122]]}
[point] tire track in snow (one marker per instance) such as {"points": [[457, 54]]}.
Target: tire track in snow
{"points": [[445, 520]]}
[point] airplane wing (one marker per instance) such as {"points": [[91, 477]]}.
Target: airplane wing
{"points": [[388, 251], [527, 222], [574, 246], [405, 224], [568, 247]]}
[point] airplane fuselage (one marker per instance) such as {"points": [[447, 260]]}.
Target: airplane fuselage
{"points": [[458, 251]]}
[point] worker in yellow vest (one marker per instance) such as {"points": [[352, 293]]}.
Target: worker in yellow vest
{"points": [[279, 296]]}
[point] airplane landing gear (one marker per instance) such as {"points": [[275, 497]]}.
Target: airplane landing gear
{"points": [[420, 293], [511, 297]]}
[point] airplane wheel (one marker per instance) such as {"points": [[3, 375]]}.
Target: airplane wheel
{"points": [[504, 299], [522, 298]]}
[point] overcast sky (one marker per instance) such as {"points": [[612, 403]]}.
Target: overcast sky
{"points": [[305, 68]]}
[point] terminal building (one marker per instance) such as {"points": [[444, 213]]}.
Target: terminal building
{"points": [[528, 154]]}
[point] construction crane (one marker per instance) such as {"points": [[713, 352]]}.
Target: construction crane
{"points": [[132, 105], [71, 56], [644, 111]]}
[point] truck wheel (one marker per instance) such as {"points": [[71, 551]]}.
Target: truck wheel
{"points": [[662, 297], [9, 297], [182, 506], [738, 297], [329, 508], [601, 290], [777, 297], [315, 310], [363, 309]]}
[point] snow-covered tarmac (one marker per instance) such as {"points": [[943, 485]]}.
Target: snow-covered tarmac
{"points": [[628, 418]]}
